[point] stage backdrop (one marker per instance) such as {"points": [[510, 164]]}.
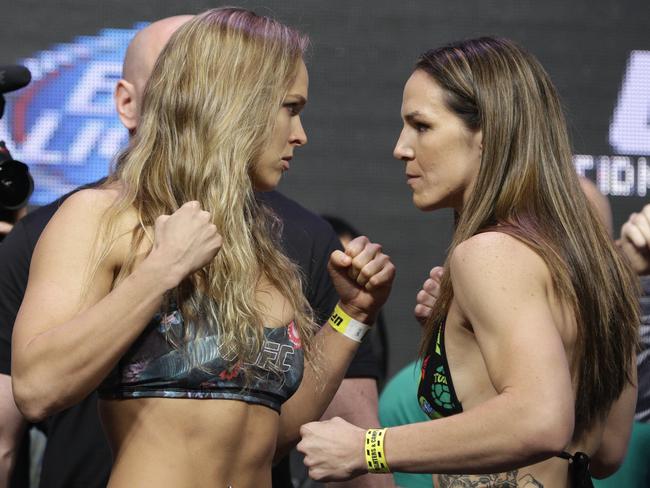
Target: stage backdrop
{"points": [[597, 52]]}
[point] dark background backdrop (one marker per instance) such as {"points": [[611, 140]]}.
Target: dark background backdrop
{"points": [[361, 54]]}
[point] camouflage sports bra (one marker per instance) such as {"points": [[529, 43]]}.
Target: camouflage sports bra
{"points": [[153, 367]]}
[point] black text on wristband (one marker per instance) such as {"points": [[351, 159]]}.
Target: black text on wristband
{"points": [[346, 325], [374, 450]]}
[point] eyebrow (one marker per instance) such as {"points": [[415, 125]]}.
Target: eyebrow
{"points": [[298, 98], [412, 115]]}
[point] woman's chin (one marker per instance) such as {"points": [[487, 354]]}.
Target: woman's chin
{"points": [[425, 205], [264, 186]]}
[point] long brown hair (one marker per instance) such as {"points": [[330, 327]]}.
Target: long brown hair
{"points": [[207, 114], [528, 186]]}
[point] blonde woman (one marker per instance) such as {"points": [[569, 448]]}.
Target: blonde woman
{"points": [[528, 356], [165, 288]]}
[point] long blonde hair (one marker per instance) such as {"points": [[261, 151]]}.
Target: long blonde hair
{"points": [[208, 111], [527, 185]]}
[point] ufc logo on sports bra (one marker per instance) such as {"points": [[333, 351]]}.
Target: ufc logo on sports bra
{"points": [[275, 357]]}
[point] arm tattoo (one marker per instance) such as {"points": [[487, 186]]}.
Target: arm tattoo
{"points": [[498, 480]]}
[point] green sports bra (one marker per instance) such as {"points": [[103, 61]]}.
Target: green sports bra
{"points": [[436, 394]]}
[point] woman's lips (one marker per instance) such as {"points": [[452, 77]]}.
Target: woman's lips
{"points": [[410, 179]]}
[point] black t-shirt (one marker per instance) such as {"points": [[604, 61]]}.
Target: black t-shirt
{"points": [[77, 454]]}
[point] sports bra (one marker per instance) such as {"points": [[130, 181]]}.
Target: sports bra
{"points": [[436, 393], [437, 398], [198, 368]]}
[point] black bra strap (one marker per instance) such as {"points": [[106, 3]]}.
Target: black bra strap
{"points": [[578, 469]]}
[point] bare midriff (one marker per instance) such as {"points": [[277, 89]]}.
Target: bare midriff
{"points": [[189, 443]]}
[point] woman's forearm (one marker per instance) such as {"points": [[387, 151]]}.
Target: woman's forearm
{"points": [[504, 433], [319, 384]]}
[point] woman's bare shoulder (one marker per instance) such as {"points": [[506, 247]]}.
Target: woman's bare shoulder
{"points": [[91, 200], [498, 254], [81, 218], [89, 206]]}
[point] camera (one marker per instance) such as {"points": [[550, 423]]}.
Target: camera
{"points": [[16, 184]]}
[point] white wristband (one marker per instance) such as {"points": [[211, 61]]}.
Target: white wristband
{"points": [[346, 325]]}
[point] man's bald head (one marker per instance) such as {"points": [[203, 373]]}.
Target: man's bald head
{"points": [[141, 56], [145, 47]]}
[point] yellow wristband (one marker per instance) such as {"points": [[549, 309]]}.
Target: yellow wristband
{"points": [[375, 457], [346, 325]]}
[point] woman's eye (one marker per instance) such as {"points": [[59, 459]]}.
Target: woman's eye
{"points": [[420, 127], [293, 108]]}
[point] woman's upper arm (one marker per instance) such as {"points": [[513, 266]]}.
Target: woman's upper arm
{"points": [[501, 288], [56, 289]]}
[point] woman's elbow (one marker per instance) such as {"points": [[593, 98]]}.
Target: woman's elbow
{"points": [[548, 432], [609, 457], [33, 400], [604, 468]]}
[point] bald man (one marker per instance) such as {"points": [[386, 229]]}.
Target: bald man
{"points": [[77, 454], [139, 61]]}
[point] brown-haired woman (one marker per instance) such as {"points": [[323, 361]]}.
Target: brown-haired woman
{"points": [[529, 352], [166, 288]]}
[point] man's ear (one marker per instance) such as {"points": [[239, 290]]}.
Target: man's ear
{"points": [[126, 104]]}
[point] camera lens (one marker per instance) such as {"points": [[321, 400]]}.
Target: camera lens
{"points": [[16, 184]]}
